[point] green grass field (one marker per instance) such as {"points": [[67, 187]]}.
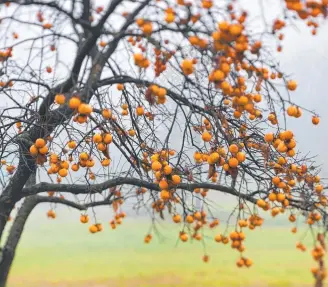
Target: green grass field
{"points": [[63, 253]]}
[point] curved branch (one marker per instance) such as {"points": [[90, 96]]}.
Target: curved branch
{"points": [[8, 252], [97, 188], [47, 199]]}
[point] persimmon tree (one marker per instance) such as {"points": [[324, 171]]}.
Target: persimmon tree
{"points": [[162, 101]]}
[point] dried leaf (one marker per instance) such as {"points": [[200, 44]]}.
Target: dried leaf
{"points": [[115, 205], [211, 170], [106, 153]]}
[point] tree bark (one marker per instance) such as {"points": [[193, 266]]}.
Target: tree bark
{"points": [[10, 195], [8, 252], [5, 210], [318, 283]]}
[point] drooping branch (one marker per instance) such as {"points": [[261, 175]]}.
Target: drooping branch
{"points": [[98, 188], [8, 252], [45, 199]]}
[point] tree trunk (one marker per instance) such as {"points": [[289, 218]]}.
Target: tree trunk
{"points": [[10, 195], [8, 252], [318, 282], [5, 210]]}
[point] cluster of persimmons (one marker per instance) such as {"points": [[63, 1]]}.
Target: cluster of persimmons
{"points": [[239, 81]]}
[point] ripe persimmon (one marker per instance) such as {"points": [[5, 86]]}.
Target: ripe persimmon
{"points": [[187, 67], [84, 218], [156, 166], [233, 162], [93, 228], [43, 150], [85, 109], [107, 138], [60, 99], [97, 138], [33, 150], [163, 184], [74, 102], [167, 169], [233, 148], [140, 111], [176, 179], [189, 218], [106, 113], [315, 120], [71, 144], [292, 85], [39, 143], [184, 237], [206, 136], [176, 218], [165, 194]]}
